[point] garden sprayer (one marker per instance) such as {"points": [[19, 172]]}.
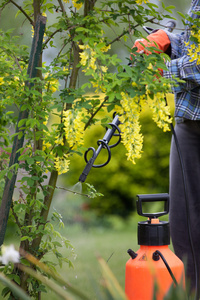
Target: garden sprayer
{"points": [[154, 267]]}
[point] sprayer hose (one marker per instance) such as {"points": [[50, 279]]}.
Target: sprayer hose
{"points": [[167, 266]]}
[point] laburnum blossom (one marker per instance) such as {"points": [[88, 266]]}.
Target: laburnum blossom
{"points": [[73, 127], [62, 164], [129, 114], [130, 127], [52, 84], [140, 2], [73, 135], [1, 80], [194, 48], [161, 111], [88, 57], [75, 3]]}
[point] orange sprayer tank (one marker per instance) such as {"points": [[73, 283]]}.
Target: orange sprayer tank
{"points": [[154, 267]]}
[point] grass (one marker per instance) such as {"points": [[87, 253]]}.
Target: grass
{"points": [[109, 243], [91, 239]]}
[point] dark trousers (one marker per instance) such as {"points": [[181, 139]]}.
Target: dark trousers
{"points": [[188, 134]]}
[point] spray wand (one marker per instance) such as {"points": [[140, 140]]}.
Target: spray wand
{"points": [[103, 144]]}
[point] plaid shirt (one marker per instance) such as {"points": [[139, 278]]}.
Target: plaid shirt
{"points": [[187, 94]]}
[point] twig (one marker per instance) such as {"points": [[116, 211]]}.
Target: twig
{"points": [[98, 109], [24, 13], [16, 217], [50, 37], [62, 7], [73, 192]]}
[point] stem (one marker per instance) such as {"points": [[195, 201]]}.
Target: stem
{"points": [[62, 8], [24, 13], [88, 7], [128, 31], [45, 211], [73, 192], [16, 217], [36, 9], [74, 75], [18, 143], [94, 114], [50, 37]]}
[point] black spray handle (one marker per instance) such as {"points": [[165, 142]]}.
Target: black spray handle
{"points": [[153, 198], [102, 144]]}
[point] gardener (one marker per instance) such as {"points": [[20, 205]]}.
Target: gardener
{"points": [[187, 117]]}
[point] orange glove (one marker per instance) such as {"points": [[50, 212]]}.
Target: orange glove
{"points": [[158, 39]]}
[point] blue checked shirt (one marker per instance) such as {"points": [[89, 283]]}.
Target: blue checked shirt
{"points": [[187, 94]]}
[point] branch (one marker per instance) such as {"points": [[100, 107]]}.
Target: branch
{"points": [[98, 109], [16, 217], [24, 13], [45, 210], [62, 8], [58, 30], [50, 37], [73, 192], [128, 31]]}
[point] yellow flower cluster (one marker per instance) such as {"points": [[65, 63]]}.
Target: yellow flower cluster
{"points": [[62, 164], [140, 2], [1, 80], [73, 134], [52, 84], [130, 127], [161, 111], [76, 5], [88, 59], [194, 49], [74, 128], [129, 113]]}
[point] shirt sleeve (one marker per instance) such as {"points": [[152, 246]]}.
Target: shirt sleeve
{"points": [[186, 70], [181, 66], [176, 41]]}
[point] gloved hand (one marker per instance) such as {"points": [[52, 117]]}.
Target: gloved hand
{"points": [[159, 39]]}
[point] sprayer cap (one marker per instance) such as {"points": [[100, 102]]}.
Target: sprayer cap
{"points": [[151, 234]]}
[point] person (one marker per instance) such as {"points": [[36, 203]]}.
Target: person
{"points": [[183, 217]]}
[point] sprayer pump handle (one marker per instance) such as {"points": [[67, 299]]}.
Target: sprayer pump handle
{"points": [[153, 198]]}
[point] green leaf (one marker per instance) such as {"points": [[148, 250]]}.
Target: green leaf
{"points": [[26, 238], [30, 160], [39, 158], [22, 122], [10, 175], [2, 174]]}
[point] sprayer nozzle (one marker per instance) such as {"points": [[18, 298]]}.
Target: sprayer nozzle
{"points": [[87, 169], [82, 178]]}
